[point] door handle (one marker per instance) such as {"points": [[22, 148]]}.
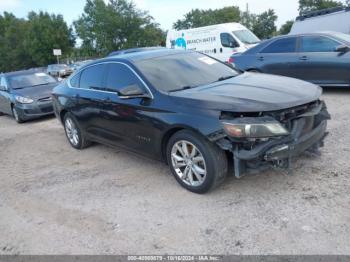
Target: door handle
{"points": [[304, 58], [261, 58], [220, 50]]}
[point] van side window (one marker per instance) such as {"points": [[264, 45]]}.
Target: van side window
{"points": [[285, 45], [227, 40]]}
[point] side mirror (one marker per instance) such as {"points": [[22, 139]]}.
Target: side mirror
{"points": [[3, 88], [132, 91], [342, 49]]}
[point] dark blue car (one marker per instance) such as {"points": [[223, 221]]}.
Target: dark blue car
{"points": [[320, 58]]}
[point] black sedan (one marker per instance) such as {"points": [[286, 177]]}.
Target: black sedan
{"points": [[193, 112], [320, 58], [26, 94]]}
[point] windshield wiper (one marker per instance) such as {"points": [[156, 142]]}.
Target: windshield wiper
{"points": [[183, 88], [23, 87], [39, 85], [223, 78]]}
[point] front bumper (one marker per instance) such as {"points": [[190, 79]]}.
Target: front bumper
{"points": [[309, 140], [278, 152], [34, 110]]}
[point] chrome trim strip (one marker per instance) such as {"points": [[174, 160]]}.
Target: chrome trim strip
{"points": [[108, 62]]}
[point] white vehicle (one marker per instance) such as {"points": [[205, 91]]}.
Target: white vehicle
{"points": [[219, 41], [333, 19]]}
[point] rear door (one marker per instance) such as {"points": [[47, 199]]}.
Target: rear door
{"points": [[320, 63], [278, 57]]}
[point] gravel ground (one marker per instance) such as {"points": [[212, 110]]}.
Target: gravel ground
{"points": [[56, 200]]}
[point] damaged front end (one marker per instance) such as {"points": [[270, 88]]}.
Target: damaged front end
{"points": [[260, 140]]}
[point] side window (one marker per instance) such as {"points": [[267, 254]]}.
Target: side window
{"points": [[227, 40], [318, 44], [285, 45], [75, 80], [3, 82], [92, 77], [120, 76]]}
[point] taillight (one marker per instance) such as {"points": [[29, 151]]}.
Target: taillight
{"points": [[231, 60]]}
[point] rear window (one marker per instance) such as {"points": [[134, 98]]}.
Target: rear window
{"points": [[285, 45]]}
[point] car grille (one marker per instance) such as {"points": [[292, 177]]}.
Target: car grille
{"points": [[45, 99], [47, 109]]}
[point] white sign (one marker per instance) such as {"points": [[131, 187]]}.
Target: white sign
{"points": [[57, 52]]}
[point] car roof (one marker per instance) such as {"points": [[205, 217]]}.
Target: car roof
{"points": [[133, 50], [143, 55]]}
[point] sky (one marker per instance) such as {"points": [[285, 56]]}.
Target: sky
{"points": [[165, 12]]}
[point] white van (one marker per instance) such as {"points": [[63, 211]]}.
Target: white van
{"points": [[219, 41], [333, 19]]}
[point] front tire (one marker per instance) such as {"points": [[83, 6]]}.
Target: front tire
{"points": [[197, 164], [73, 133], [16, 115]]}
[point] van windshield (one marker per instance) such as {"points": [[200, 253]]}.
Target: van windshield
{"points": [[246, 37], [183, 71]]}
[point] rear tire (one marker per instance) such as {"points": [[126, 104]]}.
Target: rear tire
{"points": [[197, 164], [73, 132], [16, 115]]}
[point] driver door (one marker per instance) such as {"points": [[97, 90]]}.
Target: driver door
{"points": [[127, 121]]}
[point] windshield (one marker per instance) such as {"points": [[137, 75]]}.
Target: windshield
{"points": [[343, 37], [29, 80], [183, 70], [246, 37]]}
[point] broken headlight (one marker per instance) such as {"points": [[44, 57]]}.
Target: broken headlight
{"points": [[254, 127]]}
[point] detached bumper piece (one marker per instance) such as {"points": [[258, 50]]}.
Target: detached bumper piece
{"points": [[307, 134]]}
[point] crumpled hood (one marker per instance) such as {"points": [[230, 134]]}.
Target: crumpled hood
{"points": [[251, 92], [36, 92]]}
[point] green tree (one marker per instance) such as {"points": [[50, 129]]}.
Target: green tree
{"points": [[115, 25], [264, 25], [199, 18], [45, 33], [248, 19], [26, 43], [286, 27], [12, 43], [314, 5]]}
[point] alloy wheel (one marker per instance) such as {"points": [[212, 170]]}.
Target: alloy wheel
{"points": [[72, 132], [188, 163]]}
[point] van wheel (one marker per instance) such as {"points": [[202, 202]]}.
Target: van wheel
{"points": [[197, 164], [16, 115], [73, 133]]}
